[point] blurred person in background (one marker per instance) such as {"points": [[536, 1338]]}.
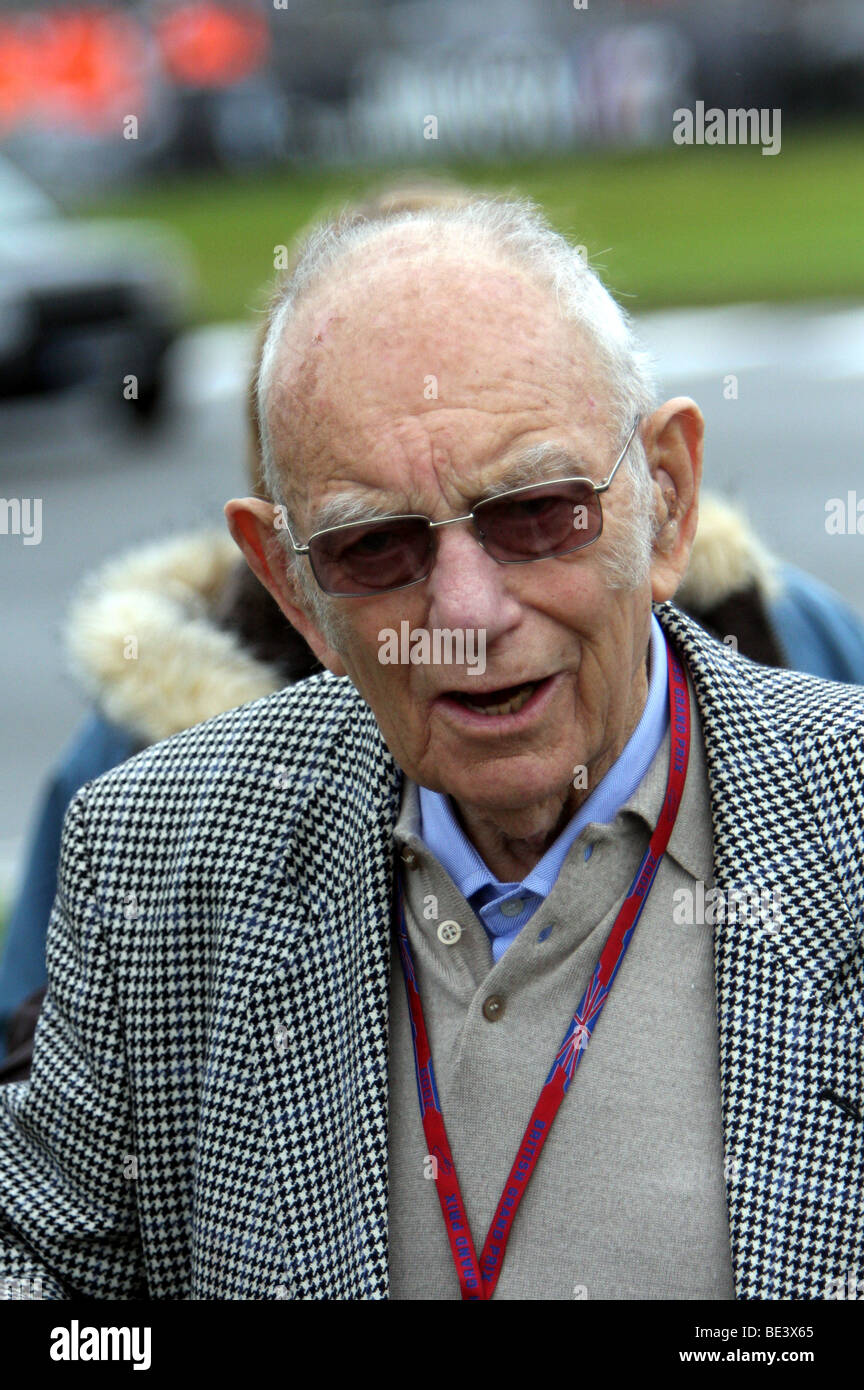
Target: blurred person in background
{"points": [[212, 637]]}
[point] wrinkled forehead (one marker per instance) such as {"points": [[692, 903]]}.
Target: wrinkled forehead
{"points": [[401, 296], [404, 332]]}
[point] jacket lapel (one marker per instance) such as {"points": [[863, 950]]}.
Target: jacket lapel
{"points": [[788, 989], [317, 1010]]}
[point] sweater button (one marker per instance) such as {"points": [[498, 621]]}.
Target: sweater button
{"points": [[449, 932], [493, 1008]]}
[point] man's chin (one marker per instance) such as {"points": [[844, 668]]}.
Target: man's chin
{"points": [[504, 787]]}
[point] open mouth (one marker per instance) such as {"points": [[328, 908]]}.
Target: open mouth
{"points": [[508, 700]]}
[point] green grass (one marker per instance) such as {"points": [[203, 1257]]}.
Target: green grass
{"points": [[684, 225]]}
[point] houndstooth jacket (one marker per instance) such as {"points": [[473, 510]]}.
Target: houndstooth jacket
{"points": [[207, 1112]]}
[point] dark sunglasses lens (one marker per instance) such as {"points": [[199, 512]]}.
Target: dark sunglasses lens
{"points": [[372, 557], [550, 519]]}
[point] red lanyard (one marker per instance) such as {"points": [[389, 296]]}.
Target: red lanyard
{"points": [[477, 1280]]}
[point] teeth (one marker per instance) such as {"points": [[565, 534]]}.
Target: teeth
{"points": [[509, 706]]}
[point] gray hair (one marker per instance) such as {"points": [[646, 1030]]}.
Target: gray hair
{"points": [[516, 230]]}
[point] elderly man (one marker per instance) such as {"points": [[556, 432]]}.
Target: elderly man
{"points": [[525, 964]]}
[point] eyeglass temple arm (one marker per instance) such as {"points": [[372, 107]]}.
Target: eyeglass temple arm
{"points": [[298, 549], [601, 487]]}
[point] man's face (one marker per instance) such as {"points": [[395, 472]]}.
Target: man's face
{"points": [[412, 385]]}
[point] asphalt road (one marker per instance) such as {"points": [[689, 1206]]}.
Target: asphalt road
{"points": [[789, 441]]}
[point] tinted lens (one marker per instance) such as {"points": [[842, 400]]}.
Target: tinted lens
{"points": [[550, 519], [372, 557]]}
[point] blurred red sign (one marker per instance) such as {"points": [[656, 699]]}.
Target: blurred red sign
{"points": [[81, 67], [212, 45], [88, 67]]}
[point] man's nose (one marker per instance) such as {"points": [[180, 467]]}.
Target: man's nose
{"points": [[467, 588]]}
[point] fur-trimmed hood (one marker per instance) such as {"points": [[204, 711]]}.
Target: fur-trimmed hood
{"points": [[727, 559], [171, 633]]}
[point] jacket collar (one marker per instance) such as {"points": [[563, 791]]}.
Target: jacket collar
{"points": [[318, 1001]]}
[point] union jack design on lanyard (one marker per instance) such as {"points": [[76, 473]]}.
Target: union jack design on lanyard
{"points": [[477, 1279]]}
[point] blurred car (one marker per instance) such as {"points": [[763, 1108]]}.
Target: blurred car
{"points": [[82, 302]]}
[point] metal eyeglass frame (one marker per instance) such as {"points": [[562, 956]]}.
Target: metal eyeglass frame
{"points": [[469, 516]]}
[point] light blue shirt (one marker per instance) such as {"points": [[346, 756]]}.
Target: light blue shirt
{"points": [[504, 908]]}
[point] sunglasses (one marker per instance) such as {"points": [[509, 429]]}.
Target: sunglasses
{"points": [[539, 522]]}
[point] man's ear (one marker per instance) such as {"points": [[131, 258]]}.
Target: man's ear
{"points": [[252, 523], [672, 438]]}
